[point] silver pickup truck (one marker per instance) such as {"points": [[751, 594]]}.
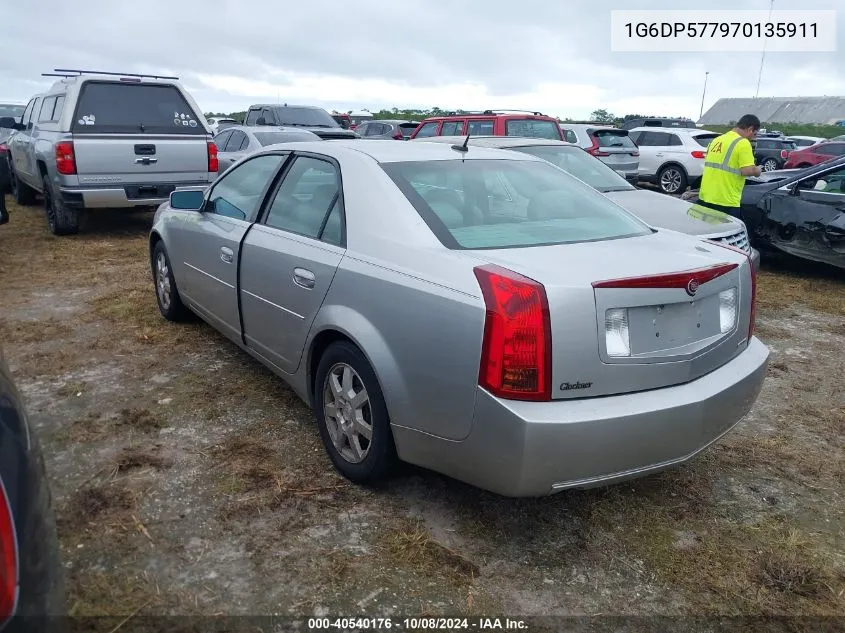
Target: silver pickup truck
{"points": [[108, 140]]}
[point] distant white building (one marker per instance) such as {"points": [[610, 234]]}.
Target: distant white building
{"points": [[807, 110]]}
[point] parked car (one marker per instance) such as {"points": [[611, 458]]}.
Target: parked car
{"points": [[805, 141], [357, 117], [398, 130], [108, 141], [218, 124], [238, 141], [14, 112], [305, 117], [666, 212], [815, 154], [657, 122], [609, 144], [490, 122], [475, 311], [5, 171], [800, 212], [342, 119], [31, 583], [772, 153], [673, 159]]}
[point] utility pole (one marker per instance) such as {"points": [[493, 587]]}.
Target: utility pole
{"points": [[703, 92], [763, 56]]}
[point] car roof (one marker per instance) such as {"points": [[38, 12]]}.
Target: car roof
{"points": [[269, 128], [389, 151], [655, 128], [494, 115], [500, 142], [392, 121], [285, 105]]}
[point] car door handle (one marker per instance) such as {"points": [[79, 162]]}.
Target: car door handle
{"points": [[304, 278], [227, 254]]}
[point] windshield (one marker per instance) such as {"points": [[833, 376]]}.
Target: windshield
{"points": [[704, 139], [478, 204], [533, 128], [607, 138], [581, 165], [304, 117], [342, 121], [8, 109]]}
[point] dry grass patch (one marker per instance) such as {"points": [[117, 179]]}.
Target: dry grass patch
{"points": [[95, 426], [766, 332], [779, 290], [23, 332], [132, 458], [410, 546], [95, 507]]}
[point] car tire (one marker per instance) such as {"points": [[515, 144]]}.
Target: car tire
{"points": [[62, 219], [770, 164], [167, 294], [672, 179], [343, 374], [23, 195]]}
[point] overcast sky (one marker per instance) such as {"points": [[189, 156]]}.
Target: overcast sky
{"points": [[551, 55]]}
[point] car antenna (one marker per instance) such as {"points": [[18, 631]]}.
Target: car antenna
{"points": [[462, 148]]}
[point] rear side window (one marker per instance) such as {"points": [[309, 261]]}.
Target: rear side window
{"points": [[134, 108], [533, 128], [47, 107], [477, 204], [480, 128], [704, 139], [613, 139], [450, 128]]}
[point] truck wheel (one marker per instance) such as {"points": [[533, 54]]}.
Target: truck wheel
{"points": [[22, 194], [61, 219]]}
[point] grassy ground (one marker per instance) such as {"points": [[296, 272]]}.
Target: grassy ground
{"points": [[188, 479]]}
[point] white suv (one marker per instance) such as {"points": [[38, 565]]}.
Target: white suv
{"points": [[673, 158]]}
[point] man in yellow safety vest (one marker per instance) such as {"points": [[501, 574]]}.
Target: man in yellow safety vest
{"points": [[729, 161]]}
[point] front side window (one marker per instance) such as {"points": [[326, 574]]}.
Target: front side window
{"points": [[427, 130], [479, 204], [132, 108], [238, 194], [308, 193], [829, 182], [252, 116], [533, 128]]}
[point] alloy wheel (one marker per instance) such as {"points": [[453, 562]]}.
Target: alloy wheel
{"points": [[348, 413]]}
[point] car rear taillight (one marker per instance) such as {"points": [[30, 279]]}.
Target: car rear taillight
{"points": [[635, 153], [65, 160], [213, 163], [8, 559], [698, 154], [753, 318], [595, 151], [516, 353], [784, 153], [4, 147], [684, 279]]}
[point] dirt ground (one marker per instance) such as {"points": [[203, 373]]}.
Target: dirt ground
{"points": [[189, 480]]}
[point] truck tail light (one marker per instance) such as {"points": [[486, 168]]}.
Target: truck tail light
{"points": [[213, 163], [65, 158], [8, 559], [516, 352]]}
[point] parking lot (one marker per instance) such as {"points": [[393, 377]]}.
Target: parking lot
{"points": [[188, 479]]}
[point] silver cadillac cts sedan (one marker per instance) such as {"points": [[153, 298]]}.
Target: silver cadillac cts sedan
{"points": [[475, 311]]}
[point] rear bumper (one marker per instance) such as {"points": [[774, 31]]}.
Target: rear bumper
{"points": [[540, 448], [117, 197]]}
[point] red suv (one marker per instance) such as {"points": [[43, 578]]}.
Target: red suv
{"points": [[815, 154], [491, 123]]}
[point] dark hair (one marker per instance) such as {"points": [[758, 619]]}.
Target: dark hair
{"points": [[748, 121]]}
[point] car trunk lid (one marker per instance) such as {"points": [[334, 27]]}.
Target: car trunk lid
{"points": [[673, 336]]}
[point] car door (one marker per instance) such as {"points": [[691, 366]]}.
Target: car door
{"points": [[22, 143], [808, 216], [289, 259], [647, 142], [209, 242], [235, 149]]}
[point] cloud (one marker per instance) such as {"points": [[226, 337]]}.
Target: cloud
{"points": [[474, 54]]}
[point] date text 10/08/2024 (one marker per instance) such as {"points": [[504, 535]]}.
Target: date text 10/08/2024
{"points": [[417, 624]]}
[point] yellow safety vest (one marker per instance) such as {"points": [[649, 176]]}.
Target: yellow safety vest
{"points": [[722, 181]]}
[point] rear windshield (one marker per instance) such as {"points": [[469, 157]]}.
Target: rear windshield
{"points": [[609, 138], [478, 204], [581, 165], [533, 128], [304, 117], [271, 138], [130, 108], [704, 139]]}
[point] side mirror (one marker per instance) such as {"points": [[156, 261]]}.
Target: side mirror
{"points": [[187, 200], [9, 123]]}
